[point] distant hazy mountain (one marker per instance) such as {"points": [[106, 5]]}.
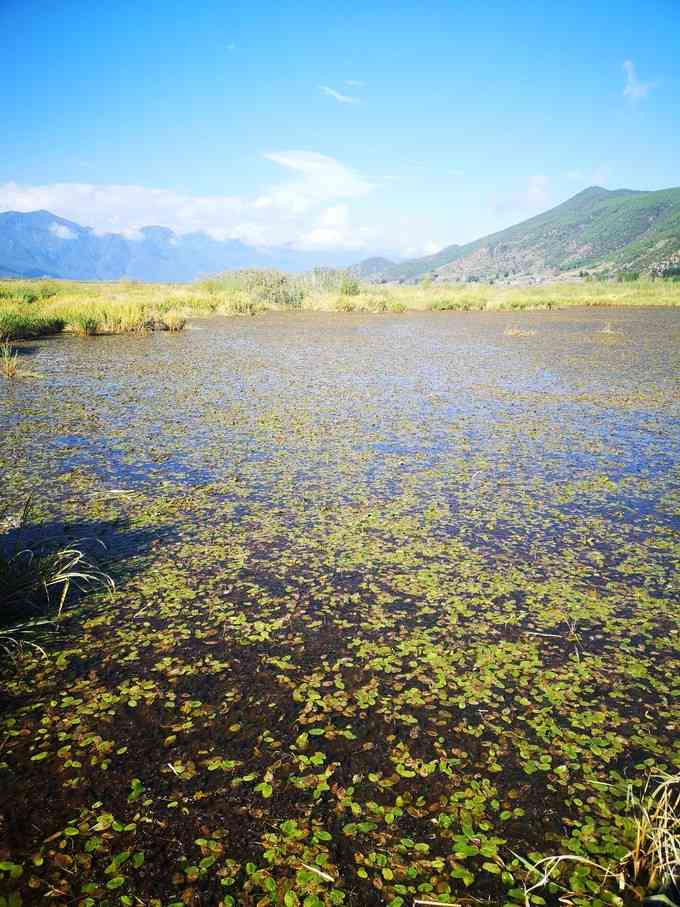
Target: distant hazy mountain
{"points": [[40, 244], [621, 230]]}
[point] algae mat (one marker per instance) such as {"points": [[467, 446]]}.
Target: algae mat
{"points": [[396, 606]]}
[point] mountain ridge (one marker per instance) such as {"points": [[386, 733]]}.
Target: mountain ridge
{"points": [[596, 229], [42, 244]]}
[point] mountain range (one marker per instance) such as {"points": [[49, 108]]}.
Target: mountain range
{"points": [[597, 230], [40, 244]]}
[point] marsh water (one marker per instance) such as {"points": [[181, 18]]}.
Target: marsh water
{"points": [[396, 599]]}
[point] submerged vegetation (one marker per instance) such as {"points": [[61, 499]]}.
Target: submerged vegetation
{"points": [[35, 308], [395, 620]]}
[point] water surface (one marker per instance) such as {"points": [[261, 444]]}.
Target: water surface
{"points": [[408, 582]]}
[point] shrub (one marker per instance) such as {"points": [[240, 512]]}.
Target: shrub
{"points": [[264, 287], [274, 288]]}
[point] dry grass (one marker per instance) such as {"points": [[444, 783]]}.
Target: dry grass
{"points": [[656, 853], [172, 321], [651, 868], [9, 359]]}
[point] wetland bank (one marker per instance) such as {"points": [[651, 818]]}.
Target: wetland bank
{"points": [[395, 612]]}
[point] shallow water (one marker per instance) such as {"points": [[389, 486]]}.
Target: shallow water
{"points": [[301, 394], [449, 551]]}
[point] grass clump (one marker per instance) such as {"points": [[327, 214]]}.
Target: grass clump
{"points": [[174, 322], [9, 358], [18, 324], [127, 318], [656, 853], [650, 870], [85, 325], [35, 582]]}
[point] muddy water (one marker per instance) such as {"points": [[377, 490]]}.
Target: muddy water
{"points": [[397, 597]]}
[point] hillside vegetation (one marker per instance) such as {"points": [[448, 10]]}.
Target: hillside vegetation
{"points": [[597, 230]]}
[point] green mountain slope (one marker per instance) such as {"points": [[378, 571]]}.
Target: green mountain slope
{"points": [[621, 230]]}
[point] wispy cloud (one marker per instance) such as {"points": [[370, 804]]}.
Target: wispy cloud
{"points": [[634, 88], [339, 97], [354, 83]]}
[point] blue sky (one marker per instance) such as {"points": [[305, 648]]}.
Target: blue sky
{"points": [[393, 128]]}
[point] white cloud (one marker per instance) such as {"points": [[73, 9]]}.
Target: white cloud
{"points": [[331, 229], [431, 247], [341, 98], [288, 211], [318, 179], [62, 231], [334, 230], [354, 83], [249, 232], [115, 208], [132, 233], [634, 88]]}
